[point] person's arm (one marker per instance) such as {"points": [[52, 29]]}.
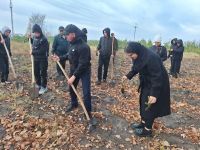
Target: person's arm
{"points": [[132, 73], [99, 45], [54, 46], [164, 54], [84, 54], [155, 71]]}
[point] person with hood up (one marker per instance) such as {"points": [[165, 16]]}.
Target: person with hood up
{"points": [[172, 47], [40, 52], [84, 30], [159, 49], [177, 58], [60, 47], [79, 57], [4, 62], [154, 86], [105, 51]]}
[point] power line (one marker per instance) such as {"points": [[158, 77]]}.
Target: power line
{"points": [[11, 14]]}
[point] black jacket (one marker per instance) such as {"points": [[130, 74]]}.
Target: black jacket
{"points": [[161, 51], [105, 44], [172, 47], [154, 81], [2, 48], [60, 45], [79, 54], [178, 51], [40, 45]]}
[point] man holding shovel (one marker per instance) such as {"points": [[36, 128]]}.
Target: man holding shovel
{"points": [[40, 50], [4, 62], [79, 57]]}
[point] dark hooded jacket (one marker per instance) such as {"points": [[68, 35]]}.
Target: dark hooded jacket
{"points": [[79, 55], [178, 51], [40, 45], [84, 36], [7, 42], [105, 44], [161, 51], [172, 47], [60, 45], [154, 81]]}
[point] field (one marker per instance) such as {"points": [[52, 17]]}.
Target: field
{"points": [[43, 124]]}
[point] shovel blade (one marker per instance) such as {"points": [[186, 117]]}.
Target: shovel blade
{"points": [[34, 92], [19, 86]]}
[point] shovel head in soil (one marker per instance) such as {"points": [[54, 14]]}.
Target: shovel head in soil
{"points": [[112, 83], [34, 92], [19, 86], [92, 124]]}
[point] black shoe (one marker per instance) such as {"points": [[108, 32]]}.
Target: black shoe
{"points": [[70, 107], [137, 126], [98, 83], [142, 132], [104, 80], [175, 75]]}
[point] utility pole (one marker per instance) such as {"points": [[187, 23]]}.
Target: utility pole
{"points": [[11, 14], [135, 28]]}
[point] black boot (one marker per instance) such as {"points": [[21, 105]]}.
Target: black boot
{"points": [[142, 132], [70, 107], [137, 126], [98, 82]]}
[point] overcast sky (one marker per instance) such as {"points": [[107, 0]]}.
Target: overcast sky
{"points": [[170, 18]]}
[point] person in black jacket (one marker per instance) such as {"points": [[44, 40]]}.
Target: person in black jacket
{"points": [[84, 30], [172, 47], [60, 47], [79, 57], [154, 86], [40, 52], [4, 63], [105, 51], [159, 49], [177, 58]]}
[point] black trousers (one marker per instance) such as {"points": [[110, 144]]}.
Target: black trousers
{"points": [[176, 65], [4, 68], [86, 85], [40, 72], [59, 71], [103, 63]]}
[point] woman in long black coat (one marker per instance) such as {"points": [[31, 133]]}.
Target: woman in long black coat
{"points": [[154, 86]]}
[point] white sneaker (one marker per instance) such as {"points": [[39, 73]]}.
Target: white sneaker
{"points": [[3, 83], [42, 90], [7, 82]]}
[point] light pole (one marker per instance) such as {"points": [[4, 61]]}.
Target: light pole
{"points": [[135, 28], [11, 14]]}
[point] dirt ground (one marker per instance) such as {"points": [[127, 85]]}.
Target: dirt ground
{"points": [[43, 124]]}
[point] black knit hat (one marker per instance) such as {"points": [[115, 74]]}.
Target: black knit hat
{"points": [[36, 28], [61, 28], [71, 29]]}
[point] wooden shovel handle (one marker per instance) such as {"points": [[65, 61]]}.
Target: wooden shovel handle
{"points": [[9, 58], [75, 91], [32, 61]]}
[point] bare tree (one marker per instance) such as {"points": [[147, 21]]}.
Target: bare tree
{"points": [[36, 19]]}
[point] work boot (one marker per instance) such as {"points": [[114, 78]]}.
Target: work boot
{"points": [[70, 107], [42, 90], [143, 132], [137, 126], [98, 83]]}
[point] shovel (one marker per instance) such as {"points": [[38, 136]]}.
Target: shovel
{"points": [[19, 86], [34, 91], [112, 82], [92, 122]]}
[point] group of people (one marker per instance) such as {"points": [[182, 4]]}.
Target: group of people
{"points": [[71, 45], [175, 54]]}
